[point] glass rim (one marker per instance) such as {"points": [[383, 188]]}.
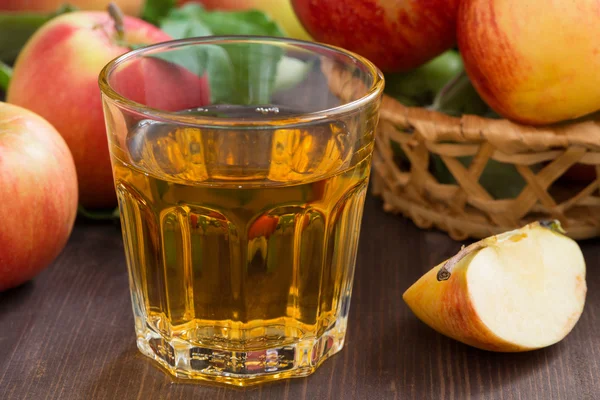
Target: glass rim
{"points": [[373, 92]]}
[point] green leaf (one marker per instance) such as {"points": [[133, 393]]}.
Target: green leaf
{"points": [[253, 63], [419, 87], [186, 22], [220, 73], [17, 28], [213, 60], [5, 75], [98, 214], [155, 10], [230, 68], [252, 22], [195, 20]]}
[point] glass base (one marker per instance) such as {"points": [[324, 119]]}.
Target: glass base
{"points": [[240, 368]]}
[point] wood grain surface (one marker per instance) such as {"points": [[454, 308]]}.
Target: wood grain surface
{"points": [[69, 334]]}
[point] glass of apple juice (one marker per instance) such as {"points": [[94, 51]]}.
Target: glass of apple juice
{"points": [[241, 179]]}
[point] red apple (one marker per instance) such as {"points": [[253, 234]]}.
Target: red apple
{"points": [[56, 76], [158, 84], [129, 7], [280, 10], [396, 35], [38, 188]]}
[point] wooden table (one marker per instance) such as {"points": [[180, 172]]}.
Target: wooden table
{"points": [[69, 334]]}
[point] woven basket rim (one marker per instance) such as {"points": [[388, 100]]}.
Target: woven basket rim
{"points": [[510, 137]]}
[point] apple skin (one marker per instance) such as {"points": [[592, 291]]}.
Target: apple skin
{"points": [[38, 186], [56, 76], [280, 10], [129, 7], [395, 35], [450, 310], [528, 69]]}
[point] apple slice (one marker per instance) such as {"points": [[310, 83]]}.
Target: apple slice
{"points": [[518, 291]]}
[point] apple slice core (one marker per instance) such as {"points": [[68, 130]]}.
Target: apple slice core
{"points": [[529, 291]]}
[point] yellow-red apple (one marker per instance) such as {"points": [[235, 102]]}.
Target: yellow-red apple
{"points": [[518, 291], [396, 35], [56, 76], [280, 10], [129, 7], [38, 188], [532, 61]]}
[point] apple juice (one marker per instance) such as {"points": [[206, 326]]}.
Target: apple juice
{"points": [[240, 243]]}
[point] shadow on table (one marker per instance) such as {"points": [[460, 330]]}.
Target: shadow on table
{"points": [[133, 375], [430, 363], [128, 375], [12, 298]]}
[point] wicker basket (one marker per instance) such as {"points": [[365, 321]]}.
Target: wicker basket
{"points": [[465, 209]]}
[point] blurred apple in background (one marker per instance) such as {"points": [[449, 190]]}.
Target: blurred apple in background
{"points": [[129, 7], [396, 35], [38, 188], [534, 62], [280, 10], [56, 76]]}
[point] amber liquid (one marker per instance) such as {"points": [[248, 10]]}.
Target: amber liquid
{"points": [[241, 245]]}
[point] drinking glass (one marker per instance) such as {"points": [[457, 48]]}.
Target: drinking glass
{"points": [[241, 166]]}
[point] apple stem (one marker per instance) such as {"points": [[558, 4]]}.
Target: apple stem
{"points": [[446, 271], [117, 16]]}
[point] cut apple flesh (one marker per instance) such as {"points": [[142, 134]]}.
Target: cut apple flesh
{"points": [[518, 291]]}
